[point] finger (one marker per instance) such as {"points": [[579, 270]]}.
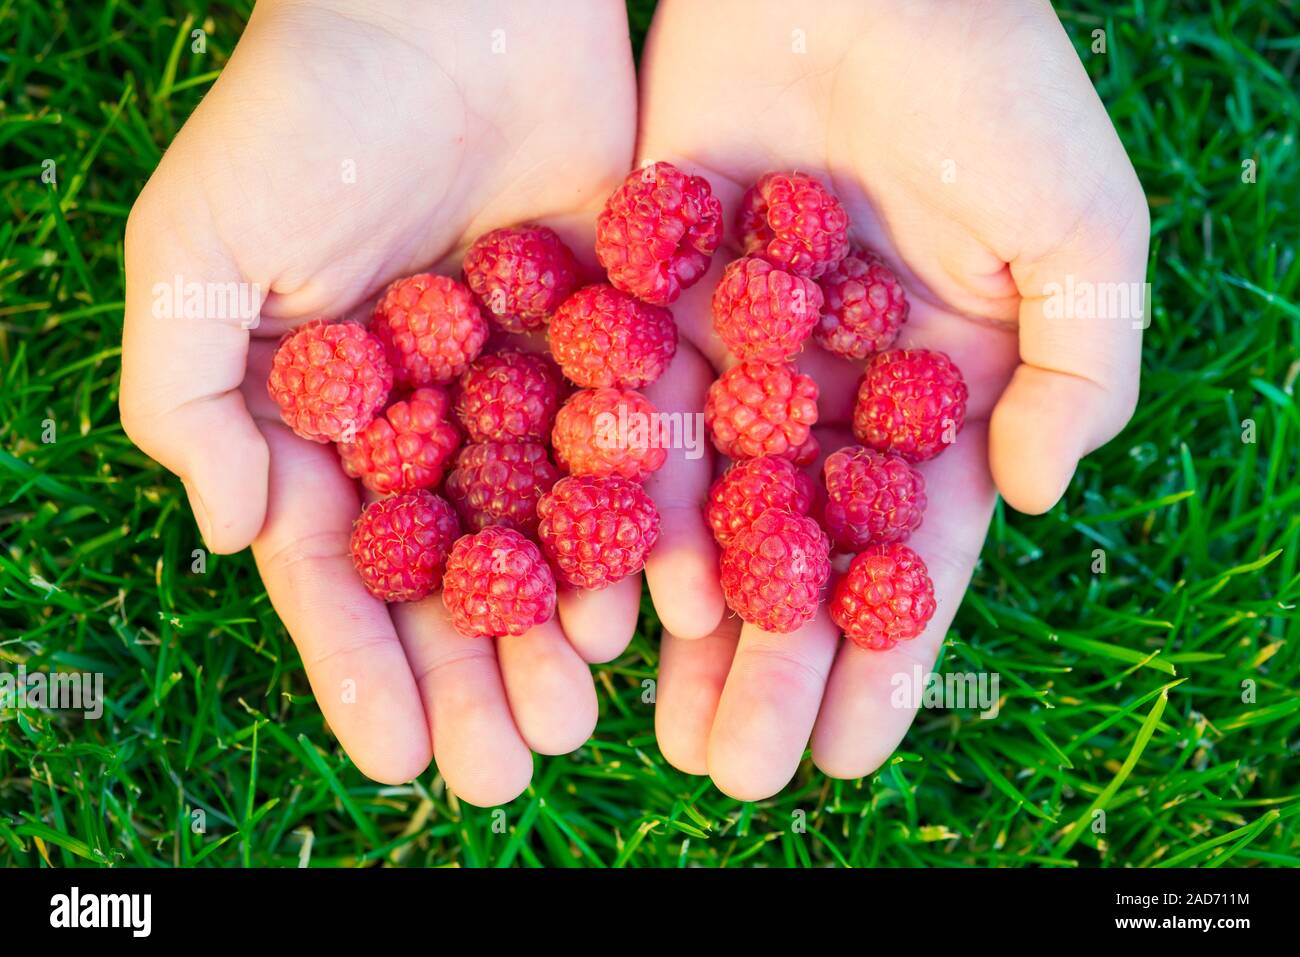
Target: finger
{"points": [[354, 661], [859, 726], [693, 311], [551, 694], [479, 750], [682, 569], [599, 624], [768, 707], [692, 674], [1082, 311], [182, 363], [258, 402]]}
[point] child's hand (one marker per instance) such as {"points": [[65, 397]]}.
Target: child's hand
{"points": [[346, 145], [972, 152]]}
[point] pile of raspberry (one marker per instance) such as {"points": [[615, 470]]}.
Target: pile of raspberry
{"points": [[496, 472], [801, 279]]}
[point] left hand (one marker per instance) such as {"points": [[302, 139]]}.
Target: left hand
{"points": [[970, 150]]}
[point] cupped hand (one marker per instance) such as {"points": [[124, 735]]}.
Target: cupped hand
{"points": [[342, 148], [971, 151]]}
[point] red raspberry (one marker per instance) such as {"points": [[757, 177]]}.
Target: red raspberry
{"points": [[885, 597], [793, 221], [329, 379], [508, 397], [499, 483], [807, 453], [764, 312], [520, 275], [761, 408], [773, 571], [751, 487], [497, 584], [911, 402], [864, 307], [871, 497], [431, 328], [603, 337], [597, 531], [407, 447], [657, 232], [608, 432], [400, 545]]}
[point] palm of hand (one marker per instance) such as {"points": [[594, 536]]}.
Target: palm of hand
{"points": [[740, 704]]}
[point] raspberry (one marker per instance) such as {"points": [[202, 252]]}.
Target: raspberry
{"points": [[911, 402], [508, 397], [499, 483], [761, 408], [608, 432], [603, 337], [751, 487], [793, 221], [761, 311], [885, 597], [431, 328], [520, 275], [400, 545], [657, 232], [806, 454], [597, 531], [497, 584], [871, 497], [329, 379], [864, 307], [407, 447], [773, 571]]}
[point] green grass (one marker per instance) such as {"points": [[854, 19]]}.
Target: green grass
{"points": [[1124, 690]]}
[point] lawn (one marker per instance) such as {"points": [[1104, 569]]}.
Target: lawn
{"points": [[1163, 692]]}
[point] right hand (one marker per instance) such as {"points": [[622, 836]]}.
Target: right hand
{"points": [[452, 122]]}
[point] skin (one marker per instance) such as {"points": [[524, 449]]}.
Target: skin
{"points": [[253, 190], [448, 139], [971, 151]]}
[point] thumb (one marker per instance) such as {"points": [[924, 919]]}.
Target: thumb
{"points": [[1082, 311], [184, 349]]}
